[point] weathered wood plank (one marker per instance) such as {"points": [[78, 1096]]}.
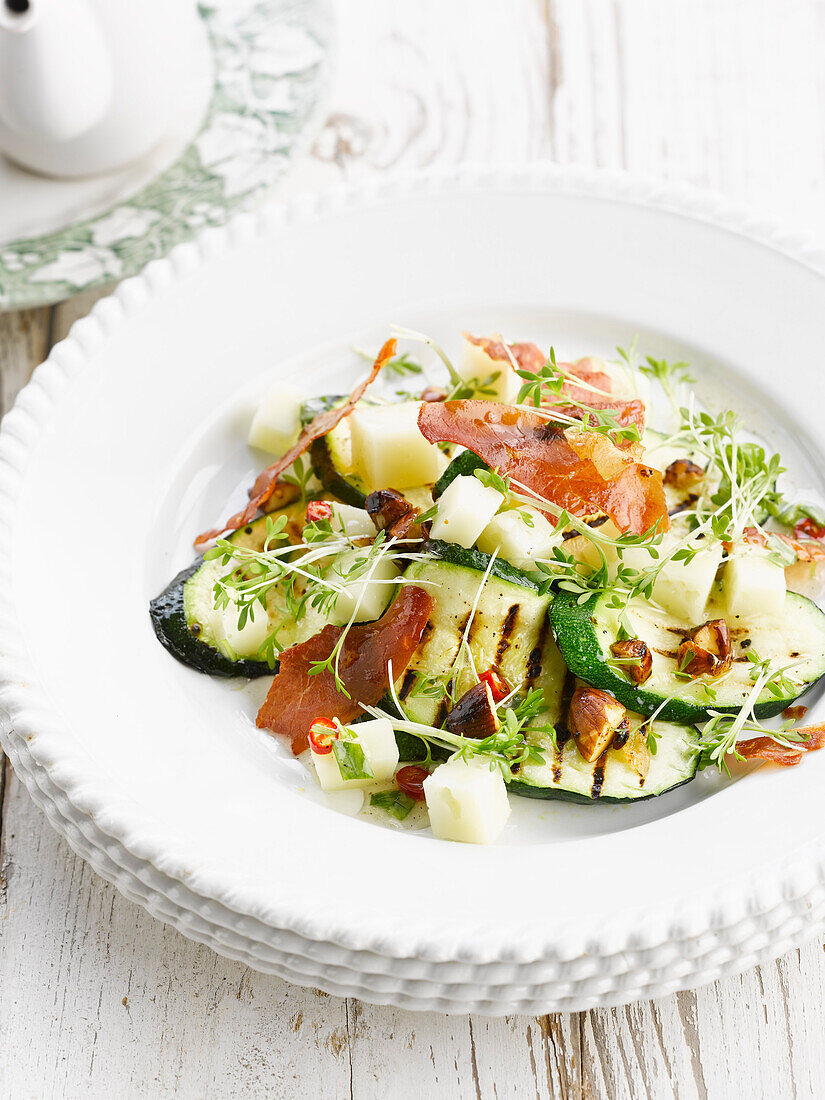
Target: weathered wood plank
{"points": [[97, 998]]}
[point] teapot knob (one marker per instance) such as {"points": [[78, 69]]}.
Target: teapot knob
{"points": [[12, 12]]}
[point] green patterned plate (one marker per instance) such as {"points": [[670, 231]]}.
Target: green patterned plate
{"points": [[270, 61]]}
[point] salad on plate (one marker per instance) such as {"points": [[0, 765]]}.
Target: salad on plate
{"points": [[472, 581]]}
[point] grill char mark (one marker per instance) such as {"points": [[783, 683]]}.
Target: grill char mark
{"points": [[598, 776], [562, 732], [407, 683], [534, 660], [507, 629]]}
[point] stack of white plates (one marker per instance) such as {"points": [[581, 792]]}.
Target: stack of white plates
{"points": [[130, 439]]}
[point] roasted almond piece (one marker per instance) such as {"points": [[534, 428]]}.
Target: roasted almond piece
{"points": [[636, 658], [683, 474], [434, 393], [391, 512], [593, 719], [707, 652], [474, 715], [635, 751]]}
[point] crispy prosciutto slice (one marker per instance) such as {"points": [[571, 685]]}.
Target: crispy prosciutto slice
{"points": [[530, 357], [580, 471], [763, 748], [804, 550], [266, 481], [626, 412], [296, 698], [527, 356]]}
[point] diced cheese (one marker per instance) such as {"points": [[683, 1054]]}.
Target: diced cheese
{"points": [[388, 448], [377, 741], [753, 584], [371, 594], [464, 510], [627, 383], [517, 541], [244, 642], [586, 550], [475, 366], [467, 802], [353, 522], [277, 422], [683, 587]]}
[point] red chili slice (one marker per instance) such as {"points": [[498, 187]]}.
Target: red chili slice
{"points": [[410, 780], [499, 687], [808, 528], [322, 733], [318, 510]]}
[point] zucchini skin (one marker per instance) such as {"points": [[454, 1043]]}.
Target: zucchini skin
{"points": [[573, 630], [331, 479], [169, 623], [478, 560], [461, 466], [558, 794]]}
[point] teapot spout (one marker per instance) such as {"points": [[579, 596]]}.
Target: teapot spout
{"points": [[55, 70]]}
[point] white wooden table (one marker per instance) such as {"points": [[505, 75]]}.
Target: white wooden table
{"points": [[97, 999]]}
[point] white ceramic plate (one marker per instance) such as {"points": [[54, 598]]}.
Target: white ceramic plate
{"points": [[251, 107], [133, 433]]}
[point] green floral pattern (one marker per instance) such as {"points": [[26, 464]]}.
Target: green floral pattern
{"points": [[271, 61]]}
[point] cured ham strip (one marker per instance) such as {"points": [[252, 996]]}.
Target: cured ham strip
{"points": [[763, 748], [527, 356], [626, 412], [588, 372], [531, 358], [296, 698], [580, 471], [805, 551], [266, 481]]}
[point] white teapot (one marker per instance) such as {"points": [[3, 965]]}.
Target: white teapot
{"points": [[87, 86]]}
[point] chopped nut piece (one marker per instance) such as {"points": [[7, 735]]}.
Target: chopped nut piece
{"points": [[434, 393], [622, 734], [390, 511], [682, 474], [636, 658], [635, 751], [795, 713], [707, 651], [593, 719], [474, 715]]}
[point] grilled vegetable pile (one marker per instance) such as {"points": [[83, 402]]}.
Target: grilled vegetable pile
{"points": [[508, 583]]}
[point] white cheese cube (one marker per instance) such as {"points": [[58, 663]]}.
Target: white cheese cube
{"points": [[683, 587], [377, 741], [519, 542], [464, 510], [626, 383], [467, 802], [753, 584], [355, 523], [277, 422], [476, 366], [389, 450], [370, 595], [244, 642]]}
